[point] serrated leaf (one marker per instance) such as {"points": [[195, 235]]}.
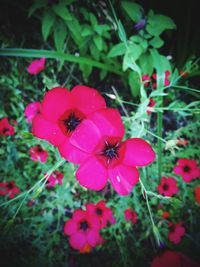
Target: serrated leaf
{"points": [[98, 42], [133, 10], [117, 50], [156, 42], [62, 11], [60, 33], [47, 23]]}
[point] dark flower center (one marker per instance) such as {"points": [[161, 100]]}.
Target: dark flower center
{"points": [[10, 186], [110, 151], [165, 187], [39, 149], [71, 122], [5, 130], [186, 168], [99, 211], [84, 226]]}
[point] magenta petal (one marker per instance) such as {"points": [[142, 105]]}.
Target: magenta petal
{"points": [[55, 103], [138, 152], [123, 178], [86, 136], [71, 153], [92, 174], [109, 122], [93, 237], [77, 240], [47, 130], [70, 227], [87, 99]]}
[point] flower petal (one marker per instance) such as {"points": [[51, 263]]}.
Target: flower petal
{"points": [[47, 130], [71, 153], [109, 122], [138, 152], [92, 174], [93, 237], [123, 178], [77, 240], [55, 103], [70, 227], [86, 136], [87, 99]]}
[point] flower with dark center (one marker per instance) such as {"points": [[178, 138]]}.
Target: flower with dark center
{"points": [[37, 153], [6, 128], [62, 114], [110, 151], [168, 186], [188, 169], [8, 188], [84, 225], [99, 211], [10, 185]]}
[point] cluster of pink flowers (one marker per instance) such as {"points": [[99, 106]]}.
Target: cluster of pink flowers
{"points": [[88, 133], [84, 226], [147, 79], [8, 188]]}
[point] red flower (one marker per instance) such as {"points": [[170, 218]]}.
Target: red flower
{"points": [[100, 137], [165, 214], [36, 66], [6, 128], [197, 194], [130, 215], [37, 153], [150, 106], [62, 114], [31, 110], [100, 210], [8, 188], [188, 169], [55, 178], [168, 186], [176, 232], [173, 259], [146, 79], [166, 79], [83, 230]]}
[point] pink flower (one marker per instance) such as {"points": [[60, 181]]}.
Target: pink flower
{"points": [[6, 128], [62, 114], [37, 153], [146, 79], [173, 259], [150, 106], [100, 210], [100, 137], [130, 215], [166, 79], [8, 188], [31, 110], [83, 230], [176, 232], [55, 178], [36, 66], [188, 169], [168, 186]]}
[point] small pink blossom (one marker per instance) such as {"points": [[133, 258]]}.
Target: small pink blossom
{"points": [[150, 106], [6, 128], [36, 66], [8, 188], [55, 178], [31, 110], [176, 232], [37, 153], [168, 186], [188, 169]]}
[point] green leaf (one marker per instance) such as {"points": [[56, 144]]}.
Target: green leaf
{"points": [[62, 11], [158, 23], [37, 5], [60, 33], [156, 42], [92, 19], [102, 29], [75, 29], [98, 42], [103, 74], [146, 63], [133, 10], [86, 31], [94, 51], [47, 23], [134, 83], [86, 71], [122, 33], [117, 50]]}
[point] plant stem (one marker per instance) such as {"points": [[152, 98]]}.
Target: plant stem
{"points": [[159, 133]]}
